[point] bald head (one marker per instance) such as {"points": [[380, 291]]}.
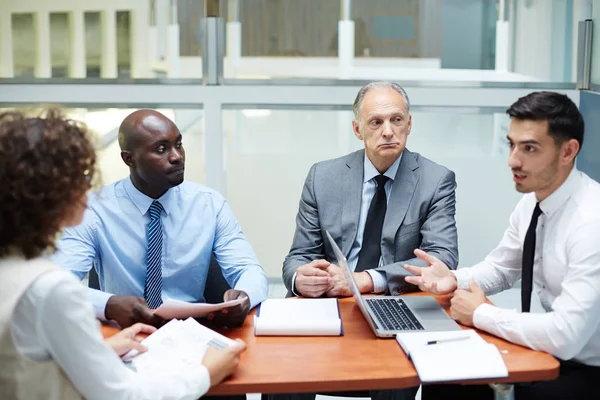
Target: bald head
{"points": [[142, 123], [152, 148]]}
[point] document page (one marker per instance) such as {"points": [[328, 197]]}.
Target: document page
{"points": [[177, 345], [180, 309], [298, 317]]}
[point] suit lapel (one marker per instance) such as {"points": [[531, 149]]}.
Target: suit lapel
{"points": [[403, 190], [351, 198]]}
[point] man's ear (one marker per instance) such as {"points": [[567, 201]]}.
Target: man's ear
{"points": [[570, 148], [127, 158], [355, 129]]}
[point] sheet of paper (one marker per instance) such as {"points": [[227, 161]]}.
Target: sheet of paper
{"points": [[411, 340], [180, 309], [300, 309], [445, 362], [177, 340]]}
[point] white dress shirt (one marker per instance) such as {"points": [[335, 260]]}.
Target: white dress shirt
{"points": [[368, 191], [566, 274], [55, 320]]}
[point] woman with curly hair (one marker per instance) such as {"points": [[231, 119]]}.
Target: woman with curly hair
{"points": [[50, 343]]}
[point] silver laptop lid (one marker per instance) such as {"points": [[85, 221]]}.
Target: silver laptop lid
{"points": [[343, 264]]}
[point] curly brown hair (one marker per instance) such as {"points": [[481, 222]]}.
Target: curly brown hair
{"points": [[46, 164]]}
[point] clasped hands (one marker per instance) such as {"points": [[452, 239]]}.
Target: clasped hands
{"points": [[439, 280], [320, 277]]}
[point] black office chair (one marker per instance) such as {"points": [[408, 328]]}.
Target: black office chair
{"points": [[216, 285]]}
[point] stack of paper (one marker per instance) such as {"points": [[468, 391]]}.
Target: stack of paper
{"points": [[452, 355], [178, 344], [298, 317]]}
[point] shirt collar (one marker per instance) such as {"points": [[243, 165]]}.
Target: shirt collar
{"points": [[553, 202], [143, 202], [371, 172]]}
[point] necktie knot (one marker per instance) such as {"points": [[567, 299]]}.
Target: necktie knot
{"points": [[381, 180], [537, 211], [155, 209]]}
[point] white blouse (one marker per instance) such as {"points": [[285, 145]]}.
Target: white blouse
{"points": [[55, 320]]}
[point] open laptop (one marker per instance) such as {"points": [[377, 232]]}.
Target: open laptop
{"points": [[389, 315]]}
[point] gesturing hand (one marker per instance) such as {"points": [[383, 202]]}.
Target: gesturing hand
{"points": [[436, 279]]}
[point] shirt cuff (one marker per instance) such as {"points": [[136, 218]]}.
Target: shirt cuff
{"points": [[379, 281], [99, 300], [485, 316], [294, 285], [255, 285], [463, 278], [204, 381]]}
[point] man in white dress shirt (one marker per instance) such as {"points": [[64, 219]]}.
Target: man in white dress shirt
{"points": [[552, 243]]}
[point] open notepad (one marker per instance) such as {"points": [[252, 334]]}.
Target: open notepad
{"points": [[451, 356], [298, 317]]}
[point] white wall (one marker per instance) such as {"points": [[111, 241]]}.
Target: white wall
{"points": [[539, 39]]}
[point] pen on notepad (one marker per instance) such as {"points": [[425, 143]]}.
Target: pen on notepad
{"points": [[456, 339]]}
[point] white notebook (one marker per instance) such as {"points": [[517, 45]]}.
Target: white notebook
{"points": [[452, 356], [298, 317]]}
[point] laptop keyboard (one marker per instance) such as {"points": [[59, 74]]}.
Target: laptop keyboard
{"points": [[394, 314]]}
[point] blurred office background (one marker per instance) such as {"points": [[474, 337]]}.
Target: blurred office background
{"points": [[261, 89]]}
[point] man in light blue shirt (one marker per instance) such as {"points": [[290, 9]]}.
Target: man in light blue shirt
{"points": [[151, 236]]}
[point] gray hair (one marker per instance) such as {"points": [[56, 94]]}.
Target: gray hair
{"points": [[356, 107]]}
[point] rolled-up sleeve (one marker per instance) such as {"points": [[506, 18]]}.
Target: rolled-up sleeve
{"points": [[238, 262]]}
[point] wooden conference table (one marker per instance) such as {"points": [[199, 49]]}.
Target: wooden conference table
{"points": [[355, 361]]}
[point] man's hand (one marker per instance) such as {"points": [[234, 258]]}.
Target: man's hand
{"points": [[436, 279], [232, 317], [221, 363], [128, 310], [128, 339], [339, 286], [464, 303], [312, 279]]}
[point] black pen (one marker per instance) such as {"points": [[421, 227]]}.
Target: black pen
{"points": [[456, 339]]}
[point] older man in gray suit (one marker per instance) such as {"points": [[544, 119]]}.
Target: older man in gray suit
{"points": [[379, 204]]}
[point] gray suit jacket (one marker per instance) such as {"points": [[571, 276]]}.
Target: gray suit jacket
{"points": [[420, 214]]}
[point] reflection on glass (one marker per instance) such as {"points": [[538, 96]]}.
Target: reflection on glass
{"points": [[59, 44], [23, 45]]}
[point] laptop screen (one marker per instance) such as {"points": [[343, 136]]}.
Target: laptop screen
{"points": [[343, 264]]}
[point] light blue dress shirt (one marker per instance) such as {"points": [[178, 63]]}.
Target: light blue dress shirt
{"points": [[368, 191], [197, 222]]}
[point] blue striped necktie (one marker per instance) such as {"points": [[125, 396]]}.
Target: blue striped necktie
{"points": [[153, 286]]}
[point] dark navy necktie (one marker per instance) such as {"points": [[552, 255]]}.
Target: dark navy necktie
{"points": [[370, 251], [153, 286]]}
